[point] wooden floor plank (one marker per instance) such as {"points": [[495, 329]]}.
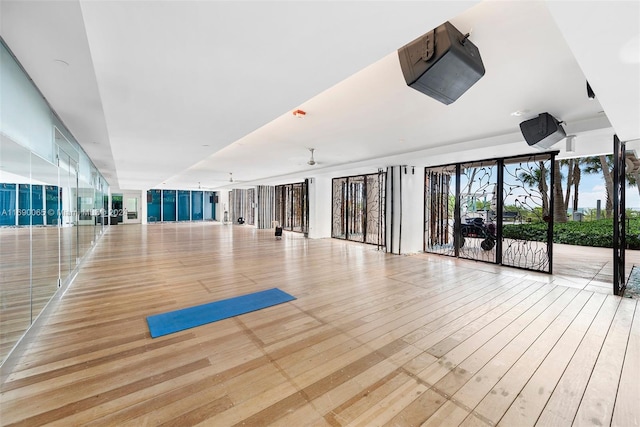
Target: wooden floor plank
{"points": [[625, 412], [567, 395], [481, 372], [509, 387], [372, 339], [532, 399], [600, 396]]}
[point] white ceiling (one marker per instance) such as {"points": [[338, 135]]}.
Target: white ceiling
{"points": [[178, 94]]}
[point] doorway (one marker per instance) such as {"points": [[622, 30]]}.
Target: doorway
{"points": [[131, 211]]}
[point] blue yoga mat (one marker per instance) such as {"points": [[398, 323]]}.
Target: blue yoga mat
{"points": [[179, 320]]}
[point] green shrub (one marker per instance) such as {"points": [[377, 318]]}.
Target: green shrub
{"points": [[588, 233]]}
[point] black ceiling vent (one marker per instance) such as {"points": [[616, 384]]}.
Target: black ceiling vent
{"points": [[543, 131], [443, 63]]}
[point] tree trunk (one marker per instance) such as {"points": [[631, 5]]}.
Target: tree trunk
{"points": [[544, 191], [576, 173], [567, 196], [559, 208], [608, 179]]}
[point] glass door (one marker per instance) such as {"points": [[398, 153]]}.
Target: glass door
{"points": [[68, 212], [131, 208]]}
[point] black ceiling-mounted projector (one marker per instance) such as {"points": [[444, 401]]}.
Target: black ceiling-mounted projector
{"points": [[443, 63], [542, 131]]}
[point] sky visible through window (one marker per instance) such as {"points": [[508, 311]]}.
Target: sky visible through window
{"points": [[592, 188]]}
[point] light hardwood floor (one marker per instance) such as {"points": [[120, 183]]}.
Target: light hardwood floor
{"points": [[31, 260], [372, 339]]}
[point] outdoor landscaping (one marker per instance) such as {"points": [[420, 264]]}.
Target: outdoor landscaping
{"points": [[589, 227], [597, 233]]}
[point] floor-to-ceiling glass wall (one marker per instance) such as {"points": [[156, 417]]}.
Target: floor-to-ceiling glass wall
{"points": [[184, 205], [439, 210], [477, 207], [374, 216], [68, 178], [117, 208], [196, 206], [131, 213], [291, 210], [154, 202], [86, 195], [15, 246], [358, 208], [209, 201], [45, 269], [475, 210], [41, 240], [45, 178], [338, 208], [527, 197], [168, 205]]}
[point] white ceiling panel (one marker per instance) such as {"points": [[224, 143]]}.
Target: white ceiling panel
{"points": [[179, 94]]}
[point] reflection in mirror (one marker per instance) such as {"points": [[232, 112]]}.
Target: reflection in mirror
{"points": [[97, 204], [44, 232], [15, 245], [68, 213], [86, 217]]}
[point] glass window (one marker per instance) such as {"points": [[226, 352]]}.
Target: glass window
{"points": [[196, 206], [153, 205], [184, 205], [168, 205], [8, 204]]}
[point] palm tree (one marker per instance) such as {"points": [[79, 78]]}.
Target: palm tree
{"points": [[569, 164], [633, 179], [574, 174], [603, 164], [559, 204], [537, 177]]}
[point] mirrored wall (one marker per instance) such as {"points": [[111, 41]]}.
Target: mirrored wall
{"points": [[51, 203], [51, 215]]}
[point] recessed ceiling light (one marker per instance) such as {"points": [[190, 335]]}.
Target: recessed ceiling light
{"points": [[519, 113]]}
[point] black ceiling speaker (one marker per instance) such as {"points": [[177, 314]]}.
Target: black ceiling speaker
{"points": [[543, 131], [590, 93], [443, 63]]}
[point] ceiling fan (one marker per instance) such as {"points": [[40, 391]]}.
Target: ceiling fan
{"points": [[311, 161]]}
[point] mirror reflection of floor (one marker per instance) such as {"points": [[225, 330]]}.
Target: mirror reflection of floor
{"points": [[590, 266], [633, 283]]}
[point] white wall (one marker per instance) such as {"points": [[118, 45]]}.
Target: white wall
{"points": [[143, 207], [25, 117], [408, 208], [222, 205], [412, 209], [319, 208], [405, 209]]}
